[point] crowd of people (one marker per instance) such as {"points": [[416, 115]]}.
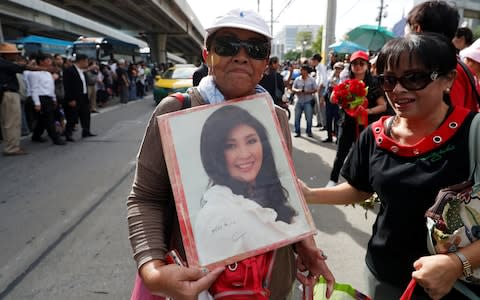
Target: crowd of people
{"points": [[54, 94], [422, 97]]}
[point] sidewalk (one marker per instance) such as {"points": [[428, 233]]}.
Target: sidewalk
{"points": [[115, 101], [111, 104]]}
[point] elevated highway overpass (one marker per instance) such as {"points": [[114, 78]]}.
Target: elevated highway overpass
{"points": [[165, 25]]}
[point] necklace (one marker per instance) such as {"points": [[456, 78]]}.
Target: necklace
{"points": [[395, 119], [446, 129]]}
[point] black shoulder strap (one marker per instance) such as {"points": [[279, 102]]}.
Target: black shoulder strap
{"points": [[471, 79]]}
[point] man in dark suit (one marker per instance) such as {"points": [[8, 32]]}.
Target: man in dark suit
{"points": [[76, 104], [201, 71]]}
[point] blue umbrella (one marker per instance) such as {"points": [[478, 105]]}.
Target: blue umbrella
{"points": [[370, 36], [399, 27], [346, 47]]}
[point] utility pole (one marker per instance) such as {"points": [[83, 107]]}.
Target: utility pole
{"points": [[1, 33], [381, 14], [271, 17], [329, 28], [258, 6]]}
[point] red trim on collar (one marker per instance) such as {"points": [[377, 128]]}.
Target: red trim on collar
{"points": [[448, 128]]}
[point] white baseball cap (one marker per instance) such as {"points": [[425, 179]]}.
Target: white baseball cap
{"points": [[471, 52], [241, 19]]}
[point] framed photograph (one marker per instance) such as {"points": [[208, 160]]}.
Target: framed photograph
{"points": [[233, 180]]}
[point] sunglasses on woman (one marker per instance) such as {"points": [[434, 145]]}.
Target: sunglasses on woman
{"points": [[360, 63], [230, 46], [413, 81]]}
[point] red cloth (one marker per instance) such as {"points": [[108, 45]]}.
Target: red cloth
{"points": [[462, 92], [360, 113], [407, 294], [248, 279], [140, 291]]}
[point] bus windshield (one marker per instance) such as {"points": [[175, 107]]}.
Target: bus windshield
{"points": [[88, 49]]}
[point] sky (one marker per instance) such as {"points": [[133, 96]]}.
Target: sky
{"points": [[350, 13]]}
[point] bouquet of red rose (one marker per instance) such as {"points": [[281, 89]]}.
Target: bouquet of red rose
{"points": [[350, 95]]}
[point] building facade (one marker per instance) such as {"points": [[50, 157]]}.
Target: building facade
{"points": [[286, 40]]}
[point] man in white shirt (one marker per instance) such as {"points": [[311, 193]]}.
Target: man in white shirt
{"points": [[42, 91], [322, 80]]}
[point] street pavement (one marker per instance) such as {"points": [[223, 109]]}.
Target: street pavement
{"points": [[343, 231], [63, 214]]}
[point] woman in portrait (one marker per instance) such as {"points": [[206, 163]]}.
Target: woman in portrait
{"points": [[245, 206]]}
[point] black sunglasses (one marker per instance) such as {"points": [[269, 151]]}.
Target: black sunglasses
{"points": [[230, 46], [360, 63], [413, 81]]}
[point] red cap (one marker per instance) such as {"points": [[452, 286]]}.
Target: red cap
{"points": [[359, 54]]}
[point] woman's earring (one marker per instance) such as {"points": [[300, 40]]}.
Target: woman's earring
{"points": [[447, 91]]}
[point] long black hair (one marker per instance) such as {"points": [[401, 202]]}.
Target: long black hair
{"points": [[268, 190]]}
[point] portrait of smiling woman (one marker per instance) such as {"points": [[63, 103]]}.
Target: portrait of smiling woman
{"points": [[246, 206]]}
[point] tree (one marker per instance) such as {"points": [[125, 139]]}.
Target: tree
{"points": [[476, 33], [317, 44], [292, 55], [304, 36], [304, 40]]}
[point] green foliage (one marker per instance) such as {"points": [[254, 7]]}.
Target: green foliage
{"points": [[317, 43], [476, 33], [292, 55], [304, 36], [295, 55], [308, 53], [370, 204]]}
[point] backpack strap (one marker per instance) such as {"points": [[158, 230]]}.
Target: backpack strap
{"points": [[184, 99], [470, 78], [245, 279], [271, 263], [473, 140]]}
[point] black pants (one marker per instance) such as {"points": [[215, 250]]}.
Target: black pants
{"points": [[331, 112], [46, 119], [140, 89], [346, 139], [84, 114], [30, 113], [71, 116]]}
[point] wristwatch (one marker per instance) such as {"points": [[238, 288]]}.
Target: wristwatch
{"points": [[467, 267]]}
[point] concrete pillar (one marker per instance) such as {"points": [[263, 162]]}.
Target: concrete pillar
{"points": [[461, 12], [193, 59], [158, 45], [1, 32], [329, 30]]}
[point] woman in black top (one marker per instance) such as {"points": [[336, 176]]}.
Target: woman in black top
{"points": [[406, 159], [348, 131]]}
